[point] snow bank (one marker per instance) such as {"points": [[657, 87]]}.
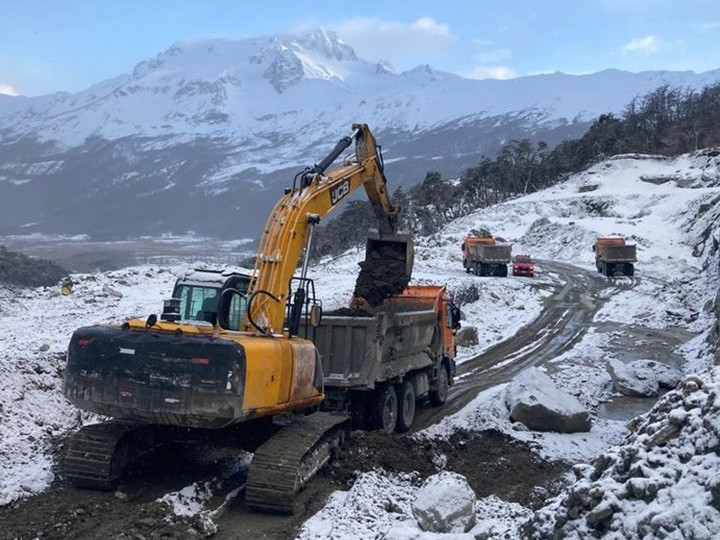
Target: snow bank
{"points": [[663, 481]]}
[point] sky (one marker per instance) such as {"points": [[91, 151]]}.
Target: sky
{"points": [[48, 46]]}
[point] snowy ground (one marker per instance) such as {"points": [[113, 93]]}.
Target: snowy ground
{"points": [[666, 206]]}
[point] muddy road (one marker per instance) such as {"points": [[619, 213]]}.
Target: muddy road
{"points": [[492, 462], [567, 313]]}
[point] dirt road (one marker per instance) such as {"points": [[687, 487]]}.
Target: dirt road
{"points": [[566, 315], [63, 512]]}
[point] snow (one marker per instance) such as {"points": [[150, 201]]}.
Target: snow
{"points": [[247, 90], [673, 225], [533, 386]]}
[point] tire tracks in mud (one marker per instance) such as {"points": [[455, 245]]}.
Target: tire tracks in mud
{"points": [[567, 314]]}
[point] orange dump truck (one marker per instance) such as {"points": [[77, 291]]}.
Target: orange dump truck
{"points": [[379, 362], [486, 257], [613, 255]]}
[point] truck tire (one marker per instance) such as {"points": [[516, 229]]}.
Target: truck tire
{"points": [[503, 270], [438, 396], [406, 406], [629, 269], [384, 409]]}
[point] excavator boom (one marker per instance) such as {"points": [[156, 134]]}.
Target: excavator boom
{"points": [[287, 231]]}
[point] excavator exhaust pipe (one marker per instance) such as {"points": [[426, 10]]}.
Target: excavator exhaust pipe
{"points": [[387, 267]]}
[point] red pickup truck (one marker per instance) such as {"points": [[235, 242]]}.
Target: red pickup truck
{"points": [[522, 265]]}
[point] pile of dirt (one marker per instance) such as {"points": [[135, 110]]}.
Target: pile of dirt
{"points": [[349, 312], [492, 462], [383, 273]]}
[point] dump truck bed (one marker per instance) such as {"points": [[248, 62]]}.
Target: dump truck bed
{"points": [[360, 351], [490, 253], [619, 253]]}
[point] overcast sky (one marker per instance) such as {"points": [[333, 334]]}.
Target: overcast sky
{"points": [[53, 45]]}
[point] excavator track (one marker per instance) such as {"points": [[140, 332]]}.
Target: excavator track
{"points": [[95, 458], [286, 462]]}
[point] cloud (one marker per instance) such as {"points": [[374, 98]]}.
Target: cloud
{"points": [[374, 38], [709, 26], [8, 90], [493, 55], [647, 45], [491, 72]]}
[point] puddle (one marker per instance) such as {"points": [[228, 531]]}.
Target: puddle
{"points": [[625, 407]]}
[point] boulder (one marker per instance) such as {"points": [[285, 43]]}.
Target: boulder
{"points": [[533, 399], [445, 503], [467, 336], [627, 382], [649, 370]]}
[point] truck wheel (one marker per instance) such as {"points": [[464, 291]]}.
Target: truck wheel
{"points": [[503, 270], [385, 409], [629, 269], [439, 395], [406, 406]]}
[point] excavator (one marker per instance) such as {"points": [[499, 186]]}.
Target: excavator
{"points": [[227, 353]]}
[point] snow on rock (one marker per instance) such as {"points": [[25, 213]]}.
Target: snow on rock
{"points": [[375, 502], [627, 382], [445, 503], [379, 505], [535, 401], [665, 376], [190, 502], [663, 481]]}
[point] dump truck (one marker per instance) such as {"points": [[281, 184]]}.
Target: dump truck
{"points": [[378, 362], [613, 255], [484, 256]]}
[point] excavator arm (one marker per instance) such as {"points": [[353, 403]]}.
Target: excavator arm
{"points": [[288, 230]]}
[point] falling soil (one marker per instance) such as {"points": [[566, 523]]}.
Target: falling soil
{"points": [[383, 273]]}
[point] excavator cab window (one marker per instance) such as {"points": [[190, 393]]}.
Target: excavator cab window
{"points": [[197, 303], [236, 311]]}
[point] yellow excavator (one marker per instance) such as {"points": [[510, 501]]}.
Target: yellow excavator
{"points": [[227, 349]]}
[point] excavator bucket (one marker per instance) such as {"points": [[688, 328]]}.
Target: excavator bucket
{"points": [[387, 267]]}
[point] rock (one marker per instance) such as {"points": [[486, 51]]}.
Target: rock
{"points": [[467, 336], [628, 383], [534, 400], [44, 347], [107, 289], [445, 503], [649, 370]]}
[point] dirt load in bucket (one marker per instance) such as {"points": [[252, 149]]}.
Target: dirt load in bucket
{"points": [[383, 273]]}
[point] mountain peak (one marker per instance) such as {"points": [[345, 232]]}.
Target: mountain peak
{"points": [[327, 43]]}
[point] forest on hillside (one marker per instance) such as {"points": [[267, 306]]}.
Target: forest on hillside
{"points": [[667, 121]]}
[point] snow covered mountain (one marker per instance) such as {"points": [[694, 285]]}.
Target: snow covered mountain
{"points": [[217, 128]]}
